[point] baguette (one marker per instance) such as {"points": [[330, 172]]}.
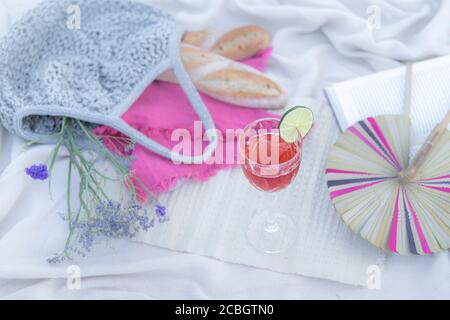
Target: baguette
{"points": [[229, 81], [196, 38], [236, 44]]}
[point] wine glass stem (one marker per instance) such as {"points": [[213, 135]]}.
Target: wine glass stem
{"points": [[271, 219]]}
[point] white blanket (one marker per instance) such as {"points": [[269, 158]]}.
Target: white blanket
{"points": [[316, 43]]}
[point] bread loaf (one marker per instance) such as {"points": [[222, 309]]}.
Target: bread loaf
{"points": [[229, 81], [196, 38], [236, 44]]}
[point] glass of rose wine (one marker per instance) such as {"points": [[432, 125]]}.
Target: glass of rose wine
{"points": [[270, 164]]}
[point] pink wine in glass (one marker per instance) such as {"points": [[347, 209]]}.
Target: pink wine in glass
{"points": [[270, 164], [270, 170]]}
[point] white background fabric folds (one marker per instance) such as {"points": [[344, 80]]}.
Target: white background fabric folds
{"points": [[316, 43]]}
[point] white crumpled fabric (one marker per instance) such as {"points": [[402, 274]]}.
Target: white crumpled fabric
{"points": [[316, 43]]}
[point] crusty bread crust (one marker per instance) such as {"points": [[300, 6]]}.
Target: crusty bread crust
{"points": [[228, 80], [242, 43], [196, 38], [239, 84], [236, 44]]}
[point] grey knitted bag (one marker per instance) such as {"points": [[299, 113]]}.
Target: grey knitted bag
{"points": [[93, 71]]}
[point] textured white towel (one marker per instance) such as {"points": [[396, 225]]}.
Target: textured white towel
{"points": [[212, 218]]}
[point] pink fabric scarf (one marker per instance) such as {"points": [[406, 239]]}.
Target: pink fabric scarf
{"points": [[160, 110]]}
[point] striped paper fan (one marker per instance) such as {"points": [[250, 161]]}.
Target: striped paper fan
{"points": [[367, 186]]}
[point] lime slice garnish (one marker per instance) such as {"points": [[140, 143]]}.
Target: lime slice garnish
{"points": [[295, 121]]}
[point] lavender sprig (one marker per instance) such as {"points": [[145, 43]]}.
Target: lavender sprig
{"points": [[98, 216], [37, 172]]}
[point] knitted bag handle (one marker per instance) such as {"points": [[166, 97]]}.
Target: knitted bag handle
{"points": [[200, 109], [49, 71]]}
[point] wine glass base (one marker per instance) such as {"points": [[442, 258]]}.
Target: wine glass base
{"points": [[275, 236]]}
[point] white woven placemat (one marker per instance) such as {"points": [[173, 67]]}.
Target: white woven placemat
{"points": [[211, 219]]}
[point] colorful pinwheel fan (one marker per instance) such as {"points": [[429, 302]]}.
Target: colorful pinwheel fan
{"points": [[396, 205]]}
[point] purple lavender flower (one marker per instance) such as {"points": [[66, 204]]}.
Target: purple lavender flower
{"points": [[160, 211], [112, 220], [57, 258], [37, 172]]}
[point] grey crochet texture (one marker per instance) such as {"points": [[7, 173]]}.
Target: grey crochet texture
{"points": [[93, 73]]}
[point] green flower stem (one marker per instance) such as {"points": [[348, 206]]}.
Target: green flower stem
{"points": [[55, 151], [91, 192], [81, 162], [69, 197]]}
